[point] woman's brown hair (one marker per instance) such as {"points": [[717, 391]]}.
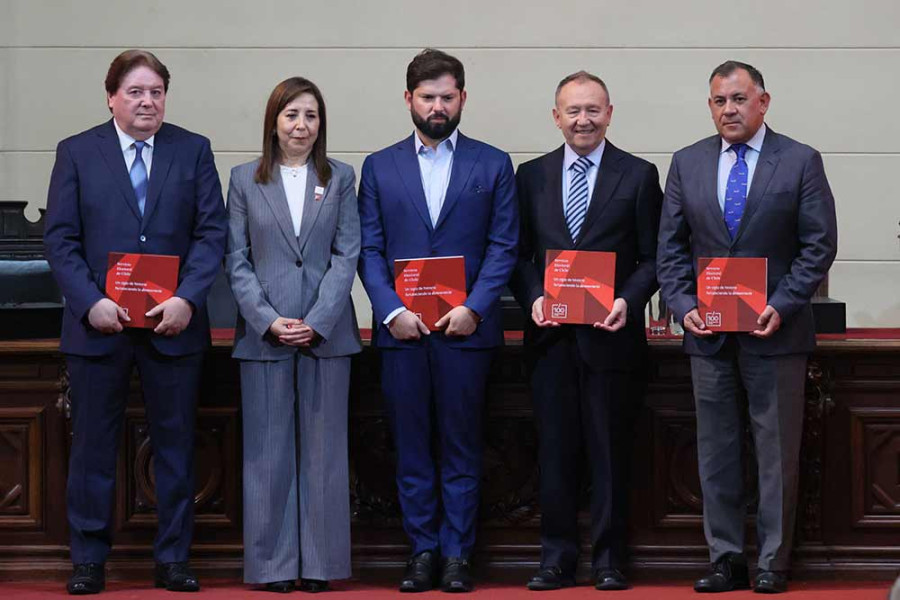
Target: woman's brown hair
{"points": [[283, 94]]}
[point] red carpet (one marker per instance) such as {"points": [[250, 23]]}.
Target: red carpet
{"points": [[135, 590]]}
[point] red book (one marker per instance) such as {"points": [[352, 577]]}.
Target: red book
{"points": [[731, 292], [430, 287], [579, 286], [138, 282]]}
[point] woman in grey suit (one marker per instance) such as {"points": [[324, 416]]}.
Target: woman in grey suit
{"points": [[293, 242]]}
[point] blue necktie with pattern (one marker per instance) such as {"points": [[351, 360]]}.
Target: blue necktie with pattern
{"points": [[576, 203], [138, 175], [736, 190]]}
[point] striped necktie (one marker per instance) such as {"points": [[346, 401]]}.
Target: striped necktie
{"points": [[138, 175], [736, 190], [576, 203]]}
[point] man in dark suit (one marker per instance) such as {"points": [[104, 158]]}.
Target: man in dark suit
{"points": [[747, 192], [135, 185], [437, 193], [586, 195]]}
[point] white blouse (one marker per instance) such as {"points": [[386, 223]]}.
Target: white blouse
{"points": [[293, 179]]}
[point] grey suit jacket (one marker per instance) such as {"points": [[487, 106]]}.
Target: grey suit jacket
{"points": [[789, 219], [274, 273]]}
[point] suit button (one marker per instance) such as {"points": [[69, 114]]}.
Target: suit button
{"points": [[299, 263], [143, 238]]}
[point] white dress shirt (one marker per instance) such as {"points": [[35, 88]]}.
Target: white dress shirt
{"points": [[293, 180], [126, 143], [728, 157]]}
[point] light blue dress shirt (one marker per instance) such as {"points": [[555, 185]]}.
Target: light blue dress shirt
{"points": [[569, 158], [435, 166], [727, 158]]}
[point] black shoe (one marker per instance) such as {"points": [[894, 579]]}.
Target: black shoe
{"points": [[455, 576], [770, 582], [87, 578], [175, 577], [313, 586], [420, 572], [726, 574], [280, 587], [549, 578], [610, 580]]}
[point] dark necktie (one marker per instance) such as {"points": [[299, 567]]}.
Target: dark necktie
{"points": [[736, 190], [576, 203], [138, 175]]}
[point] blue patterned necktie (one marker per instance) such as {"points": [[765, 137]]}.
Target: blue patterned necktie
{"points": [[138, 175], [576, 203], [736, 190]]}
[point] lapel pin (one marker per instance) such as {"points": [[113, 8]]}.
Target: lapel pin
{"points": [[320, 191]]}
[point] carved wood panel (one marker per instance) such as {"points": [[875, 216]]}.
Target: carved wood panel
{"points": [[21, 467], [216, 501], [849, 454], [678, 501], [875, 443]]}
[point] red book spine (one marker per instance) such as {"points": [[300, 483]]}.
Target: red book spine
{"points": [[139, 282], [579, 286], [430, 287]]}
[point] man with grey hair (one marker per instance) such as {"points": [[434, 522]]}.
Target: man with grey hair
{"points": [[586, 195], [747, 192]]}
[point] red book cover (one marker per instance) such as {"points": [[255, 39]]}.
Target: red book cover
{"points": [[138, 282], [731, 292], [430, 287], [579, 286]]}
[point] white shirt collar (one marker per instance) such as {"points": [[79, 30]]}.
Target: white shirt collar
{"points": [[755, 142], [125, 140], [451, 140], [571, 156]]}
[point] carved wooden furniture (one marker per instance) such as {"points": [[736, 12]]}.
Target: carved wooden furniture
{"points": [[848, 519]]}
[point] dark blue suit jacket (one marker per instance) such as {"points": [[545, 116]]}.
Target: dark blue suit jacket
{"points": [[789, 219], [478, 220], [92, 210]]}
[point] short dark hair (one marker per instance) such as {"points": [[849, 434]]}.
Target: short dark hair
{"points": [[730, 66], [130, 60], [283, 94], [431, 63], [580, 76]]}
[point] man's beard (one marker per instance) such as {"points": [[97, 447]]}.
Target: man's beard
{"points": [[436, 131]]}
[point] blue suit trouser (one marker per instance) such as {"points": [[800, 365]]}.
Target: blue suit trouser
{"points": [[437, 389], [99, 393]]}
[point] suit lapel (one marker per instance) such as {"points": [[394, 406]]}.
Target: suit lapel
{"points": [[163, 151], [408, 166], [112, 154], [273, 192], [551, 194], [465, 156], [765, 168], [708, 172], [311, 206], [608, 177]]}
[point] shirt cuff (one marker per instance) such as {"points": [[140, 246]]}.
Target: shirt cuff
{"points": [[393, 314]]}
